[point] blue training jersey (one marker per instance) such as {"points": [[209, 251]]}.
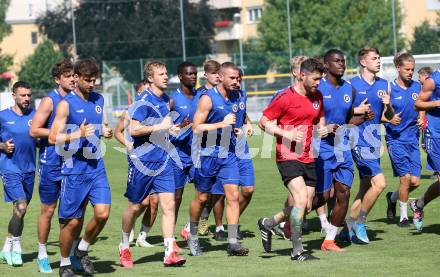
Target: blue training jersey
{"points": [[220, 141], [402, 100], [433, 115], [16, 127], [184, 107], [48, 154], [241, 147], [83, 155], [369, 130], [337, 105], [150, 110]]}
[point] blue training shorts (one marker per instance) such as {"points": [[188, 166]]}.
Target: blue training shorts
{"points": [[151, 177], [405, 158], [183, 175], [78, 189], [367, 162], [329, 169], [432, 146], [246, 178], [18, 186], [213, 169], [49, 187]]}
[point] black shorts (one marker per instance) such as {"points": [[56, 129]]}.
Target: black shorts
{"points": [[291, 169]]}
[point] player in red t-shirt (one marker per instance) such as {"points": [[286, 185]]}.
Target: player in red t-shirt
{"points": [[296, 111]]}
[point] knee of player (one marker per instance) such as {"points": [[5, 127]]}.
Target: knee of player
{"points": [[48, 210], [232, 195], [380, 185], [415, 182], [102, 214], [247, 191], [202, 198], [20, 208], [154, 200]]}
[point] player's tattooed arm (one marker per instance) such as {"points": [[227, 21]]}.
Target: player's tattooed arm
{"points": [[40, 118], [57, 134], [423, 102], [203, 108]]}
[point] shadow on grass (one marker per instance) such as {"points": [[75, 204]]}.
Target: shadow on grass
{"points": [[430, 229], [105, 267], [427, 176]]}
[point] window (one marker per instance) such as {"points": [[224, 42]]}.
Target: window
{"points": [[255, 14], [34, 38]]}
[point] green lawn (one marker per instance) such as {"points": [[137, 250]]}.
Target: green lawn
{"points": [[392, 252]]}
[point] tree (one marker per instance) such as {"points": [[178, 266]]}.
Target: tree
{"points": [[6, 61], [426, 39], [318, 25], [36, 69], [122, 30]]}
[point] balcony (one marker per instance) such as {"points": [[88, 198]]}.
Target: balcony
{"points": [[231, 32], [225, 4]]}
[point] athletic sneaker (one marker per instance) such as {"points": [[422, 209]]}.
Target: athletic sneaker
{"points": [[6, 257], [404, 223], [66, 271], [360, 230], [44, 265], [391, 209], [76, 264], [125, 259], [86, 262], [173, 259], [330, 245], [203, 227], [277, 230], [221, 236], [131, 237], [345, 235], [16, 258], [266, 235], [176, 247], [303, 256], [141, 240], [184, 234], [194, 247], [239, 234], [418, 215], [236, 249], [287, 232]]}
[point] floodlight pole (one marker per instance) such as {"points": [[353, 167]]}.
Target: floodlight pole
{"points": [[182, 26], [393, 10], [289, 32], [72, 13]]}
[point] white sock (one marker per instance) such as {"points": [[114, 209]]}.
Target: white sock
{"points": [[42, 251], [168, 243], [394, 196], [7, 247], [65, 261], [403, 210], [74, 246], [323, 219], [282, 224], [219, 228], [331, 232], [84, 245], [145, 229], [125, 240], [187, 226], [16, 244]]}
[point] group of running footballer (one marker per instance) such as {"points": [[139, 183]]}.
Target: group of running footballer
{"points": [[322, 125]]}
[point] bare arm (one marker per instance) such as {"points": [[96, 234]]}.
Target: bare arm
{"points": [[270, 127], [41, 116], [203, 108], [423, 102]]}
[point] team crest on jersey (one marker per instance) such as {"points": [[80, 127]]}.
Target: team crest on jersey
{"points": [[381, 93], [347, 98], [315, 105], [414, 96], [235, 108], [242, 106], [29, 122], [98, 109]]}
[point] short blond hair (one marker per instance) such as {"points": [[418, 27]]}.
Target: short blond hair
{"points": [[150, 67]]}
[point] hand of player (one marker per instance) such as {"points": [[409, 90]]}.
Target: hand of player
{"points": [[362, 108], [369, 115], [174, 130], [323, 131], [129, 145], [385, 99], [249, 129], [230, 119], [238, 132], [9, 146], [107, 132], [396, 119], [185, 122], [165, 125], [295, 135], [421, 123], [86, 130], [331, 128]]}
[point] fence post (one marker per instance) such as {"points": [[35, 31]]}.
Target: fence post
{"points": [[141, 62]]}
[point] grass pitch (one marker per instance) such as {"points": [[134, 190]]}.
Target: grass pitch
{"points": [[393, 251]]}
